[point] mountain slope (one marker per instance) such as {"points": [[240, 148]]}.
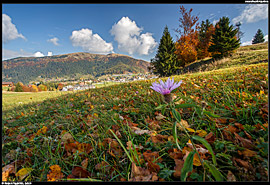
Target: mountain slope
{"points": [[25, 69]]}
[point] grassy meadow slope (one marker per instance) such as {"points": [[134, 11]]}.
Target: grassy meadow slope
{"points": [[115, 133], [245, 55]]}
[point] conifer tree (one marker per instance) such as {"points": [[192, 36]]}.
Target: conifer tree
{"points": [[18, 87], [224, 39], [258, 38], [165, 62], [206, 31]]}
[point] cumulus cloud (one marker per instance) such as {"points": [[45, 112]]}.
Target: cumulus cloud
{"points": [[9, 30], [90, 42], [252, 13], [54, 41], [8, 54], [129, 38], [38, 54], [265, 38]]}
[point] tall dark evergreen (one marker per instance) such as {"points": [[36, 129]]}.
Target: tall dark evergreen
{"points": [[258, 38], [225, 39], [165, 62]]}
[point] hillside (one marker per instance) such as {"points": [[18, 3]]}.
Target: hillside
{"points": [[118, 133], [244, 55], [25, 69]]}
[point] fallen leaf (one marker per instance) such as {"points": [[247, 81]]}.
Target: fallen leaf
{"points": [[84, 163], [178, 167], [55, 174], [230, 176], [160, 117], [248, 153], [7, 170], [67, 138], [142, 174], [175, 153], [242, 163], [43, 130], [22, 173], [201, 133], [239, 125], [152, 167], [159, 138], [245, 142], [190, 129], [210, 138], [152, 156], [184, 124], [79, 172], [103, 166]]}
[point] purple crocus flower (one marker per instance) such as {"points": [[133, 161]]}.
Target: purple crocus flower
{"points": [[165, 88]]}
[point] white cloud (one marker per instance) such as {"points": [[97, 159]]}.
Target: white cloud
{"points": [[49, 53], [38, 54], [246, 43], [252, 13], [54, 41], [90, 42], [265, 38], [8, 54], [129, 38], [9, 30]]}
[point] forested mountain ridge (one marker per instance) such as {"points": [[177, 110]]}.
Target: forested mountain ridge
{"points": [[25, 69]]}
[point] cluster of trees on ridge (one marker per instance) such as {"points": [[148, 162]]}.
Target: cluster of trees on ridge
{"points": [[196, 42]]}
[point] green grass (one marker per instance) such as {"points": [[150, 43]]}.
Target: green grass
{"points": [[244, 55], [11, 100], [238, 95]]}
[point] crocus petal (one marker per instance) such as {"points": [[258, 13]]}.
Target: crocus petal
{"points": [[161, 82]]}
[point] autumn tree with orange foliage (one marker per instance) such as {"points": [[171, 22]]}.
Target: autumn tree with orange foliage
{"points": [[186, 45], [206, 31]]}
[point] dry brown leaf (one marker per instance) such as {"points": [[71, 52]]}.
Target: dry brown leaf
{"points": [[79, 172], [245, 142], [55, 173], [84, 163], [159, 138], [210, 138], [7, 170], [230, 176], [67, 138], [178, 167], [142, 174], [184, 124], [152, 156], [175, 153], [242, 163], [152, 167], [160, 117], [103, 166], [248, 153]]}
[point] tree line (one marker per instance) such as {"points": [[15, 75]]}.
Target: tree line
{"points": [[196, 41]]}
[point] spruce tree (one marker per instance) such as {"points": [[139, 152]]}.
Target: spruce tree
{"points": [[18, 87], [258, 38], [224, 39], [165, 62]]}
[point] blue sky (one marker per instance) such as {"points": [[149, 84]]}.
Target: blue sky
{"points": [[131, 29]]}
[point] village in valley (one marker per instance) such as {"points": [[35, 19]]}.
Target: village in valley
{"points": [[74, 84]]}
